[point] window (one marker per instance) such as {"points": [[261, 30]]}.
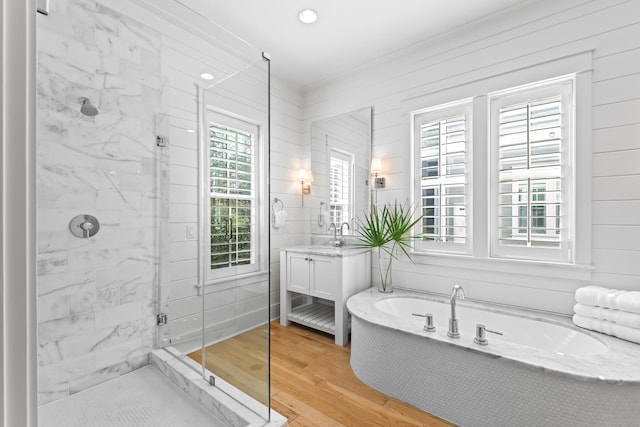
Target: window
{"points": [[233, 194], [340, 186], [523, 198], [531, 158], [442, 143]]}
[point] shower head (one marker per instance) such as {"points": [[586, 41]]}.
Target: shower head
{"points": [[87, 108]]}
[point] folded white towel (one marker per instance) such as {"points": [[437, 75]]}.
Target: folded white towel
{"points": [[620, 317], [279, 218], [629, 302], [609, 298], [323, 219], [609, 328]]}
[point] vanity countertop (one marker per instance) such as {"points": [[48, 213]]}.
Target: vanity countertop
{"points": [[341, 251]]}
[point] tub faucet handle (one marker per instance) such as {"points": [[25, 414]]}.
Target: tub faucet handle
{"points": [[428, 322], [481, 334], [480, 338]]}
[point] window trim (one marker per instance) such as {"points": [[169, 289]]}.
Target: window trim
{"points": [[565, 86], [350, 185], [525, 70], [463, 106], [581, 267], [257, 267]]}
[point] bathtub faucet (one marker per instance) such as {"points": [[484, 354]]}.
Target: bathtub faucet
{"points": [[456, 292]]}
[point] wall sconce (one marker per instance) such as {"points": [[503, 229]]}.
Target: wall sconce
{"points": [[376, 169], [305, 178]]}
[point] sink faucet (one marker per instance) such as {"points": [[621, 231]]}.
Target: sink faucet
{"points": [[342, 239], [456, 292], [333, 226]]}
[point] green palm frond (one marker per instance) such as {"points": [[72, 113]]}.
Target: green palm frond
{"points": [[388, 227], [400, 222]]}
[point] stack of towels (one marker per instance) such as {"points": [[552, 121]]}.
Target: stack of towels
{"points": [[609, 311]]}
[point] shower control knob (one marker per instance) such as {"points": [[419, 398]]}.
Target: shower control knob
{"points": [[84, 226]]}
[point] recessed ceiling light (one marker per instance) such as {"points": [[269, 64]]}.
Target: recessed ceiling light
{"points": [[308, 16], [191, 131], [206, 76]]}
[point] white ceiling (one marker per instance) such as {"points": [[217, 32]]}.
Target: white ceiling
{"points": [[347, 34]]}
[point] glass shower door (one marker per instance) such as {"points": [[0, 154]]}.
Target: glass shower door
{"points": [[234, 141], [217, 95]]}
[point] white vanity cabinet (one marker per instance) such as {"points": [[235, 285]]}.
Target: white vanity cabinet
{"points": [[326, 278], [312, 274]]}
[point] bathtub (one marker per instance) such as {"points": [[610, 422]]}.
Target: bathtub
{"points": [[542, 371]]}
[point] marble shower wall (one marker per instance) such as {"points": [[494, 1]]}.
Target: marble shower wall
{"points": [[97, 297]]}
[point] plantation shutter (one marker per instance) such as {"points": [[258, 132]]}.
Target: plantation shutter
{"points": [[442, 144], [533, 158], [340, 184]]}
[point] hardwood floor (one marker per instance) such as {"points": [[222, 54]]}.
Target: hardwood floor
{"points": [[312, 383], [241, 361]]}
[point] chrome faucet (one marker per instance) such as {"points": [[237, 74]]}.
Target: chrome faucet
{"points": [[456, 292], [342, 239], [333, 226]]}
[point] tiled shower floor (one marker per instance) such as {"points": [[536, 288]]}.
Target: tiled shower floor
{"points": [[139, 399]]}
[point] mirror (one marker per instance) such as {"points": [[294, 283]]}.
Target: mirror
{"points": [[340, 163]]}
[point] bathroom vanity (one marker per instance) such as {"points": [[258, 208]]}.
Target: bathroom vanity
{"points": [[323, 277]]}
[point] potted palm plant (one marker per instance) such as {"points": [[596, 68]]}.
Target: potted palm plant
{"points": [[387, 231]]}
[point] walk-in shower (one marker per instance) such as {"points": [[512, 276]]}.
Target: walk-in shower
{"points": [[175, 167]]}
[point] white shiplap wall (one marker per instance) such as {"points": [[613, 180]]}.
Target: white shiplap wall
{"points": [[520, 39], [287, 155]]}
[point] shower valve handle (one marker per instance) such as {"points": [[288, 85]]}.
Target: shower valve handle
{"points": [[86, 229], [84, 226]]}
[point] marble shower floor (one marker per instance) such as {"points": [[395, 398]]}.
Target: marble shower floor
{"points": [[143, 398]]}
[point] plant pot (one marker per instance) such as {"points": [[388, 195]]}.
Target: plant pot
{"points": [[385, 260]]}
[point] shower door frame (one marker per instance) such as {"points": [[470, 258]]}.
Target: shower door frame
{"points": [[18, 344]]}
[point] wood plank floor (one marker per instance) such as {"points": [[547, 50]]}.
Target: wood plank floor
{"points": [[242, 361], [312, 383]]}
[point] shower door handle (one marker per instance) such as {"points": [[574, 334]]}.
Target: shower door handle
{"points": [[229, 235]]}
